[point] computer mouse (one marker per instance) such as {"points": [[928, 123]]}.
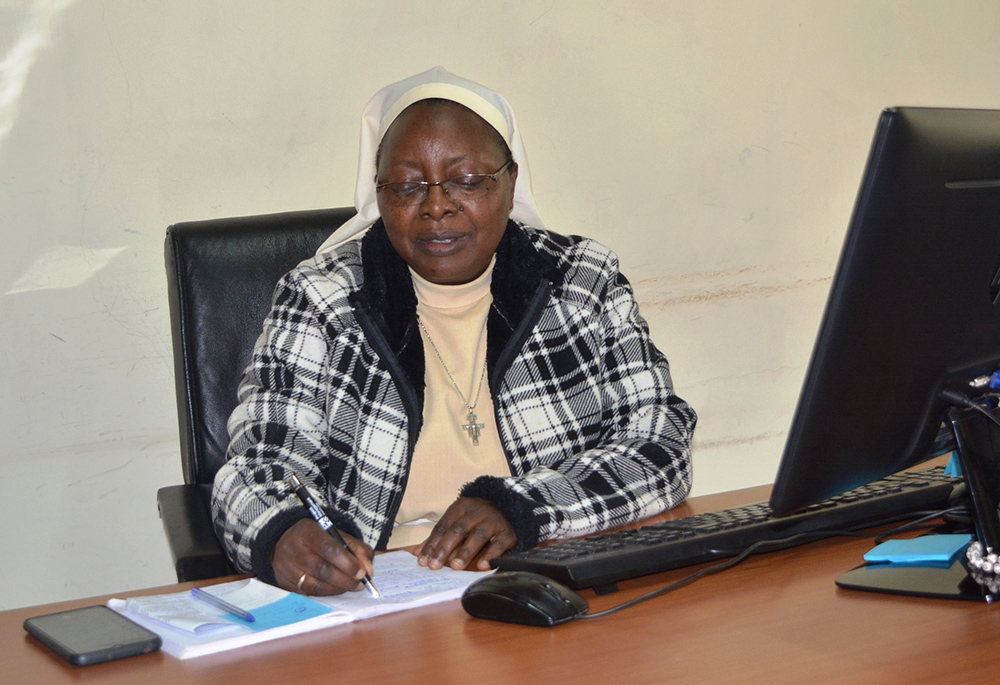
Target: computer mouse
{"points": [[521, 597]]}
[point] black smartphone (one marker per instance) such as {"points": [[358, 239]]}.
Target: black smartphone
{"points": [[92, 635]]}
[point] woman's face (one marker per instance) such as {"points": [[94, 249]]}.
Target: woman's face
{"points": [[443, 240]]}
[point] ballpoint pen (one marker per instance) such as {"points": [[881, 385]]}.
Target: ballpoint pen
{"points": [[209, 598], [324, 522]]}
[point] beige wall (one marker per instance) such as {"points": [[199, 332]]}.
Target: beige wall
{"points": [[716, 146]]}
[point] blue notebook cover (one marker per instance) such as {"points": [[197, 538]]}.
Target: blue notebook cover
{"points": [[934, 549]]}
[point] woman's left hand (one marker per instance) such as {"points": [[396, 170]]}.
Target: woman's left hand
{"points": [[470, 534]]}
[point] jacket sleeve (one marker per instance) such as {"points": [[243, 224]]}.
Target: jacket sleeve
{"points": [[278, 428], [638, 463]]}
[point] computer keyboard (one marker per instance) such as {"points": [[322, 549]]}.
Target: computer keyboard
{"points": [[603, 560]]}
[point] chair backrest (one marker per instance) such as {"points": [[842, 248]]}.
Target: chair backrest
{"points": [[221, 276]]}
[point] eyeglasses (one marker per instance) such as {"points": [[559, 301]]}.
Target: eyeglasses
{"points": [[459, 189]]}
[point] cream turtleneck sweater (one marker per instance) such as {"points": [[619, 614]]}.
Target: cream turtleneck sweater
{"points": [[445, 457]]}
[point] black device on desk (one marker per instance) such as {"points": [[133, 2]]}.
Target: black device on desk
{"points": [[912, 324], [527, 598], [914, 308], [600, 561], [913, 315], [92, 635]]}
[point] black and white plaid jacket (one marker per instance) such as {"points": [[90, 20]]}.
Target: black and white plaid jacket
{"points": [[593, 433]]}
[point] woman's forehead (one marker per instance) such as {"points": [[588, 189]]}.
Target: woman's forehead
{"points": [[441, 119]]}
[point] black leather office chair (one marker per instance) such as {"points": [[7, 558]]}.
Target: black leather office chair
{"points": [[220, 276]]}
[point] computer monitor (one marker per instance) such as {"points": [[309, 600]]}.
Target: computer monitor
{"points": [[914, 307]]}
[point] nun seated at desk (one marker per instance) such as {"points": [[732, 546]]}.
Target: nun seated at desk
{"points": [[445, 374]]}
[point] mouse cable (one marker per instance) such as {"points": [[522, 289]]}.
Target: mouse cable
{"points": [[763, 545]]}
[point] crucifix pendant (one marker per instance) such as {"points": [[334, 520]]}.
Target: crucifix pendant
{"points": [[473, 428]]}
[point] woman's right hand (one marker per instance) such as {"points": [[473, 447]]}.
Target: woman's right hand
{"points": [[308, 560]]}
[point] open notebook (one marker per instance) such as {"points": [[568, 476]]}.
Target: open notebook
{"points": [[191, 628]]}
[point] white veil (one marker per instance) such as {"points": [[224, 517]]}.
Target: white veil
{"points": [[387, 104]]}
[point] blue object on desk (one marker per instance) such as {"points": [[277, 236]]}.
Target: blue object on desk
{"points": [[291, 609], [953, 469], [929, 550]]}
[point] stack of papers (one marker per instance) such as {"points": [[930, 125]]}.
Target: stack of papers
{"points": [[191, 628]]}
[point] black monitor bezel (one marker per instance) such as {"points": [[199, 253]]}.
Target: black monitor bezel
{"points": [[911, 308]]}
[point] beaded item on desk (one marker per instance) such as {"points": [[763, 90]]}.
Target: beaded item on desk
{"points": [[990, 583], [987, 564]]}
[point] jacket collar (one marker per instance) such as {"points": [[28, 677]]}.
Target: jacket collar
{"points": [[387, 290], [387, 293]]}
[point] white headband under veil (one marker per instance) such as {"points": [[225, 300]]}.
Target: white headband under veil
{"points": [[387, 104]]}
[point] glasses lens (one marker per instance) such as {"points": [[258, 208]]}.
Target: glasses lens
{"points": [[460, 188], [403, 194], [468, 187]]}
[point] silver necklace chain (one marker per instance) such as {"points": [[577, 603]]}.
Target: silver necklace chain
{"points": [[474, 429]]}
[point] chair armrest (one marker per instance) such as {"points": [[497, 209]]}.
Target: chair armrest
{"points": [[187, 521]]}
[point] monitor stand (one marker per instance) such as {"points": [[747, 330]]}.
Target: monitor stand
{"points": [[978, 449], [953, 582]]}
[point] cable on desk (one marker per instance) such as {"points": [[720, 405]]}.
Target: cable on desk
{"points": [[921, 523], [762, 545]]}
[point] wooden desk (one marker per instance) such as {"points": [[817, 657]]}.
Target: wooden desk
{"points": [[776, 618]]}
